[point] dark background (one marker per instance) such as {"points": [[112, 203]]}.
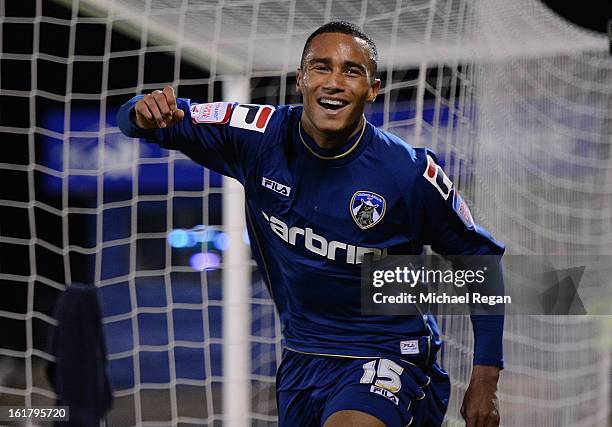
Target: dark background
{"points": [[15, 75]]}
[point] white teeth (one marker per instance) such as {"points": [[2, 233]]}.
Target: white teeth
{"points": [[332, 102]]}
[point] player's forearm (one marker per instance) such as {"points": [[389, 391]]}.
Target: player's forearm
{"points": [[488, 340], [488, 321]]}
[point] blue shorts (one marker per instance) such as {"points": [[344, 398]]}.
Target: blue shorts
{"points": [[311, 388]]}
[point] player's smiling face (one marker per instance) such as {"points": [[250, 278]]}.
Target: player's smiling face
{"points": [[336, 82]]}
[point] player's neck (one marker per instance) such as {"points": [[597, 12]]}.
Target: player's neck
{"points": [[327, 141]]}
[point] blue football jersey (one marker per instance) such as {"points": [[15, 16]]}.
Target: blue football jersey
{"points": [[313, 214]]}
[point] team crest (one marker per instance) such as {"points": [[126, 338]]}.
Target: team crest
{"points": [[367, 208]]}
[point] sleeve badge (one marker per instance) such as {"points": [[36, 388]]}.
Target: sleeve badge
{"points": [[213, 112]]}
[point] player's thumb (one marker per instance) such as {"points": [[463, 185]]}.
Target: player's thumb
{"points": [[177, 116]]}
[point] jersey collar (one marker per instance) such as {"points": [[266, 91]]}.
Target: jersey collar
{"points": [[338, 155]]}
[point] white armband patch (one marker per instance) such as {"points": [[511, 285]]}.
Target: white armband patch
{"points": [[213, 112], [463, 210], [252, 117], [436, 176]]}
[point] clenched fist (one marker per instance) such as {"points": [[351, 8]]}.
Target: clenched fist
{"points": [[158, 110]]}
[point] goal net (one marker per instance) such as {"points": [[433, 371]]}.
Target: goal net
{"points": [[515, 101]]}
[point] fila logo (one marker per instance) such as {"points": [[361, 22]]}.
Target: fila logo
{"points": [[436, 176], [275, 186], [384, 393], [409, 347], [252, 117], [320, 245]]}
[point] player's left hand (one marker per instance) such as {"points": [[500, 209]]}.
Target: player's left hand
{"points": [[480, 405]]}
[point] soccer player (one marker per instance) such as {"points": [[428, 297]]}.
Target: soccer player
{"points": [[323, 188]]}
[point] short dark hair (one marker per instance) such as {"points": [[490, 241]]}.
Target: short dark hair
{"points": [[344, 27]]}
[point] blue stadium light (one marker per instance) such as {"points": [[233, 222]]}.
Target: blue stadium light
{"points": [[205, 261], [179, 238], [201, 234], [222, 242]]}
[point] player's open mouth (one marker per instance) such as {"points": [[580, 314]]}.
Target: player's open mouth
{"points": [[332, 103]]}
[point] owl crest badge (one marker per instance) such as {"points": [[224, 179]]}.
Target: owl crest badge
{"points": [[367, 208]]}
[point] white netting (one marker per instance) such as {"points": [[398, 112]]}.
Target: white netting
{"points": [[515, 101]]}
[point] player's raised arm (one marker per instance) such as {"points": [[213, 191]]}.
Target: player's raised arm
{"points": [[223, 136], [158, 110]]}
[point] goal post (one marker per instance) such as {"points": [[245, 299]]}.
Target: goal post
{"points": [[236, 289]]}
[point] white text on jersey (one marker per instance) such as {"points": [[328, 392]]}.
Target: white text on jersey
{"points": [[275, 186], [319, 244]]}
